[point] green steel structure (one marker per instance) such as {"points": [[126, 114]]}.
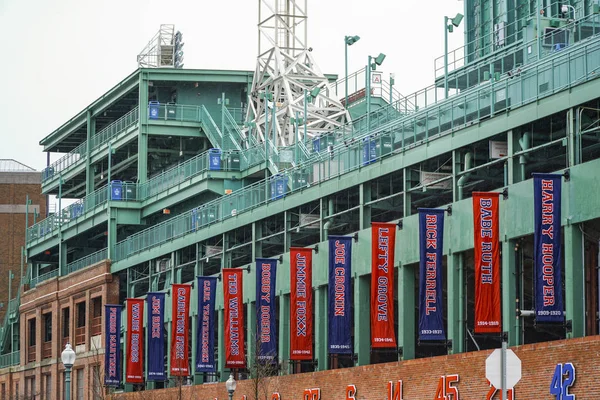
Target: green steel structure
{"points": [[155, 136]]}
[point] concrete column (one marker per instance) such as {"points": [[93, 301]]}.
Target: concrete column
{"points": [[320, 326], [406, 311], [574, 279], [362, 318], [509, 293]]}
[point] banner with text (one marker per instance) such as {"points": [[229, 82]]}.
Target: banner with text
{"points": [[135, 341], [383, 241], [266, 327], [205, 332], [235, 353], [431, 312], [340, 295], [301, 304], [112, 345], [156, 336], [180, 311], [488, 309], [546, 248]]}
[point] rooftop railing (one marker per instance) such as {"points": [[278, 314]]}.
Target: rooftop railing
{"points": [[88, 260], [10, 359], [33, 282]]}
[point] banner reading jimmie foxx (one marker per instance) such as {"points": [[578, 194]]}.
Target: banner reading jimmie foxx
{"points": [[301, 304]]}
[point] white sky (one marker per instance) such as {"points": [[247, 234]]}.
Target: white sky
{"points": [[58, 56]]}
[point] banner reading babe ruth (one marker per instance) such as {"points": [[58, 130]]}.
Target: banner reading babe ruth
{"points": [[301, 304], [135, 341], [112, 345], [340, 295], [180, 311], [383, 240], [205, 332], [266, 326], [155, 305], [235, 352]]}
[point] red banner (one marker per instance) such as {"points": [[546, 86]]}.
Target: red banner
{"points": [[383, 241], [135, 341], [301, 305], [180, 312], [488, 311], [234, 318]]}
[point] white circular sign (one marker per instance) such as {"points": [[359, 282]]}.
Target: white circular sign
{"points": [[493, 371]]}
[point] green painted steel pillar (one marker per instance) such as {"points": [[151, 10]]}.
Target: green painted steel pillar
{"points": [[284, 330], [320, 306], [225, 255], [511, 168], [143, 129], [362, 318], [510, 322], [112, 231], [287, 234], [365, 210], [89, 171], [63, 257], [574, 277], [406, 311], [407, 196], [220, 345], [456, 331], [251, 334]]}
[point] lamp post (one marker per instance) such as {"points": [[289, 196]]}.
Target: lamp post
{"points": [[449, 28], [68, 357], [348, 41], [231, 384], [372, 64]]}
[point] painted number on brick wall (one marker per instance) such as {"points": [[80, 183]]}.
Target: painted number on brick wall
{"points": [[312, 394], [562, 380], [510, 393], [275, 396], [395, 391], [446, 389], [351, 392]]}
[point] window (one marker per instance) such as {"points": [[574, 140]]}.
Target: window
{"points": [[66, 323], [48, 387], [81, 314], [97, 386], [47, 327], [32, 332], [17, 390], [96, 325], [80, 384], [3, 391], [30, 392]]}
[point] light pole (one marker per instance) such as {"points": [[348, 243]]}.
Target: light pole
{"points": [[372, 64], [348, 41], [231, 384], [68, 357], [449, 28]]}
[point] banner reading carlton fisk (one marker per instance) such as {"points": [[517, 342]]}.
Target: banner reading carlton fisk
{"points": [[156, 336], [488, 311], [180, 311], [112, 345], [383, 240], [301, 304], [205, 332], [431, 312], [135, 341], [340, 295], [234, 318], [547, 252], [266, 327]]}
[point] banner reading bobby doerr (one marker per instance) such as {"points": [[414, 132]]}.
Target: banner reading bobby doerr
{"points": [[135, 341], [383, 241], [431, 312], [301, 304], [180, 311], [156, 336], [112, 345], [205, 332], [266, 327], [340, 295], [546, 248], [235, 353]]}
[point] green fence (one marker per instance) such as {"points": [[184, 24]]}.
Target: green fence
{"points": [[87, 260], [10, 359]]}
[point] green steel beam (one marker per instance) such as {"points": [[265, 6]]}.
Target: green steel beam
{"points": [[574, 278], [406, 310], [220, 341], [89, 171], [320, 306], [284, 328], [454, 264], [143, 128], [251, 341], [510, 320], [362, 317]]}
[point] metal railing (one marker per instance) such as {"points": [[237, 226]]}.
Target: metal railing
{"points": [[10, 359], [175, 112], [88, 260], [114, 129], [33, 282]]}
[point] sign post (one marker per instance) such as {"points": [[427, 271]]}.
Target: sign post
{"points": [[503, 369]]}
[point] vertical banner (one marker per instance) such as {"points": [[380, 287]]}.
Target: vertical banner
{"points": [[205, 332], [156, 336], [234, 318], [301, 304], [180, 311], [431, 311], [266, 327], [112, 345], [546, 248], [340, 295], [488, 309], [383, 241], [135, 341]]}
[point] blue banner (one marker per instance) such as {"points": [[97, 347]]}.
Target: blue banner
{"points": [[112, 345], [547, 252], [155, 322], [431, 244], [266, 327], [205, 333], [340, 295]]}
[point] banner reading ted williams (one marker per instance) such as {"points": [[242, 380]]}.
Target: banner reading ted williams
{"points": [[234, 318], [301, 304], [156, 336], [112, 345], [205, 333], [488, 311], [266, 327], [431, 311], [340, 295], [135, 341], [383, 240], [180, 311], [546, 249]]}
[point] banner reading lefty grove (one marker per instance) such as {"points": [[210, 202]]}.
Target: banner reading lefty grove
{"points": [[546, 248], [180, 311], [112, 345], [383, 240], [235, 353], [156, 336], [205, 332], [340, 295], [301, 304], [135, 341], [266, 327], [488, 309], [431, 312]]}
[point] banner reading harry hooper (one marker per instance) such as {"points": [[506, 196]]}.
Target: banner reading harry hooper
{"points": [[205, 332], [180, 364], [135, 341], [156, 336], [546, 248], [235, 353], [266, 327], [383, 241], [301, 304], [431, 312], [340, 296], [112, 345]]}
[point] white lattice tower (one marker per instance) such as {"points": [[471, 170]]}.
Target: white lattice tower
{"points": [[286, 68], [159, 50]]}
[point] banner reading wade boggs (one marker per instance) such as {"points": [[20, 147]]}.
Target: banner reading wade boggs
{"points": [[235, 352], [383, 241], [112, 345], [266, 328], [205, 332], [135, 341], [431, 312], [301, 304], [155, 304], [340, 295], [546, 248]]}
